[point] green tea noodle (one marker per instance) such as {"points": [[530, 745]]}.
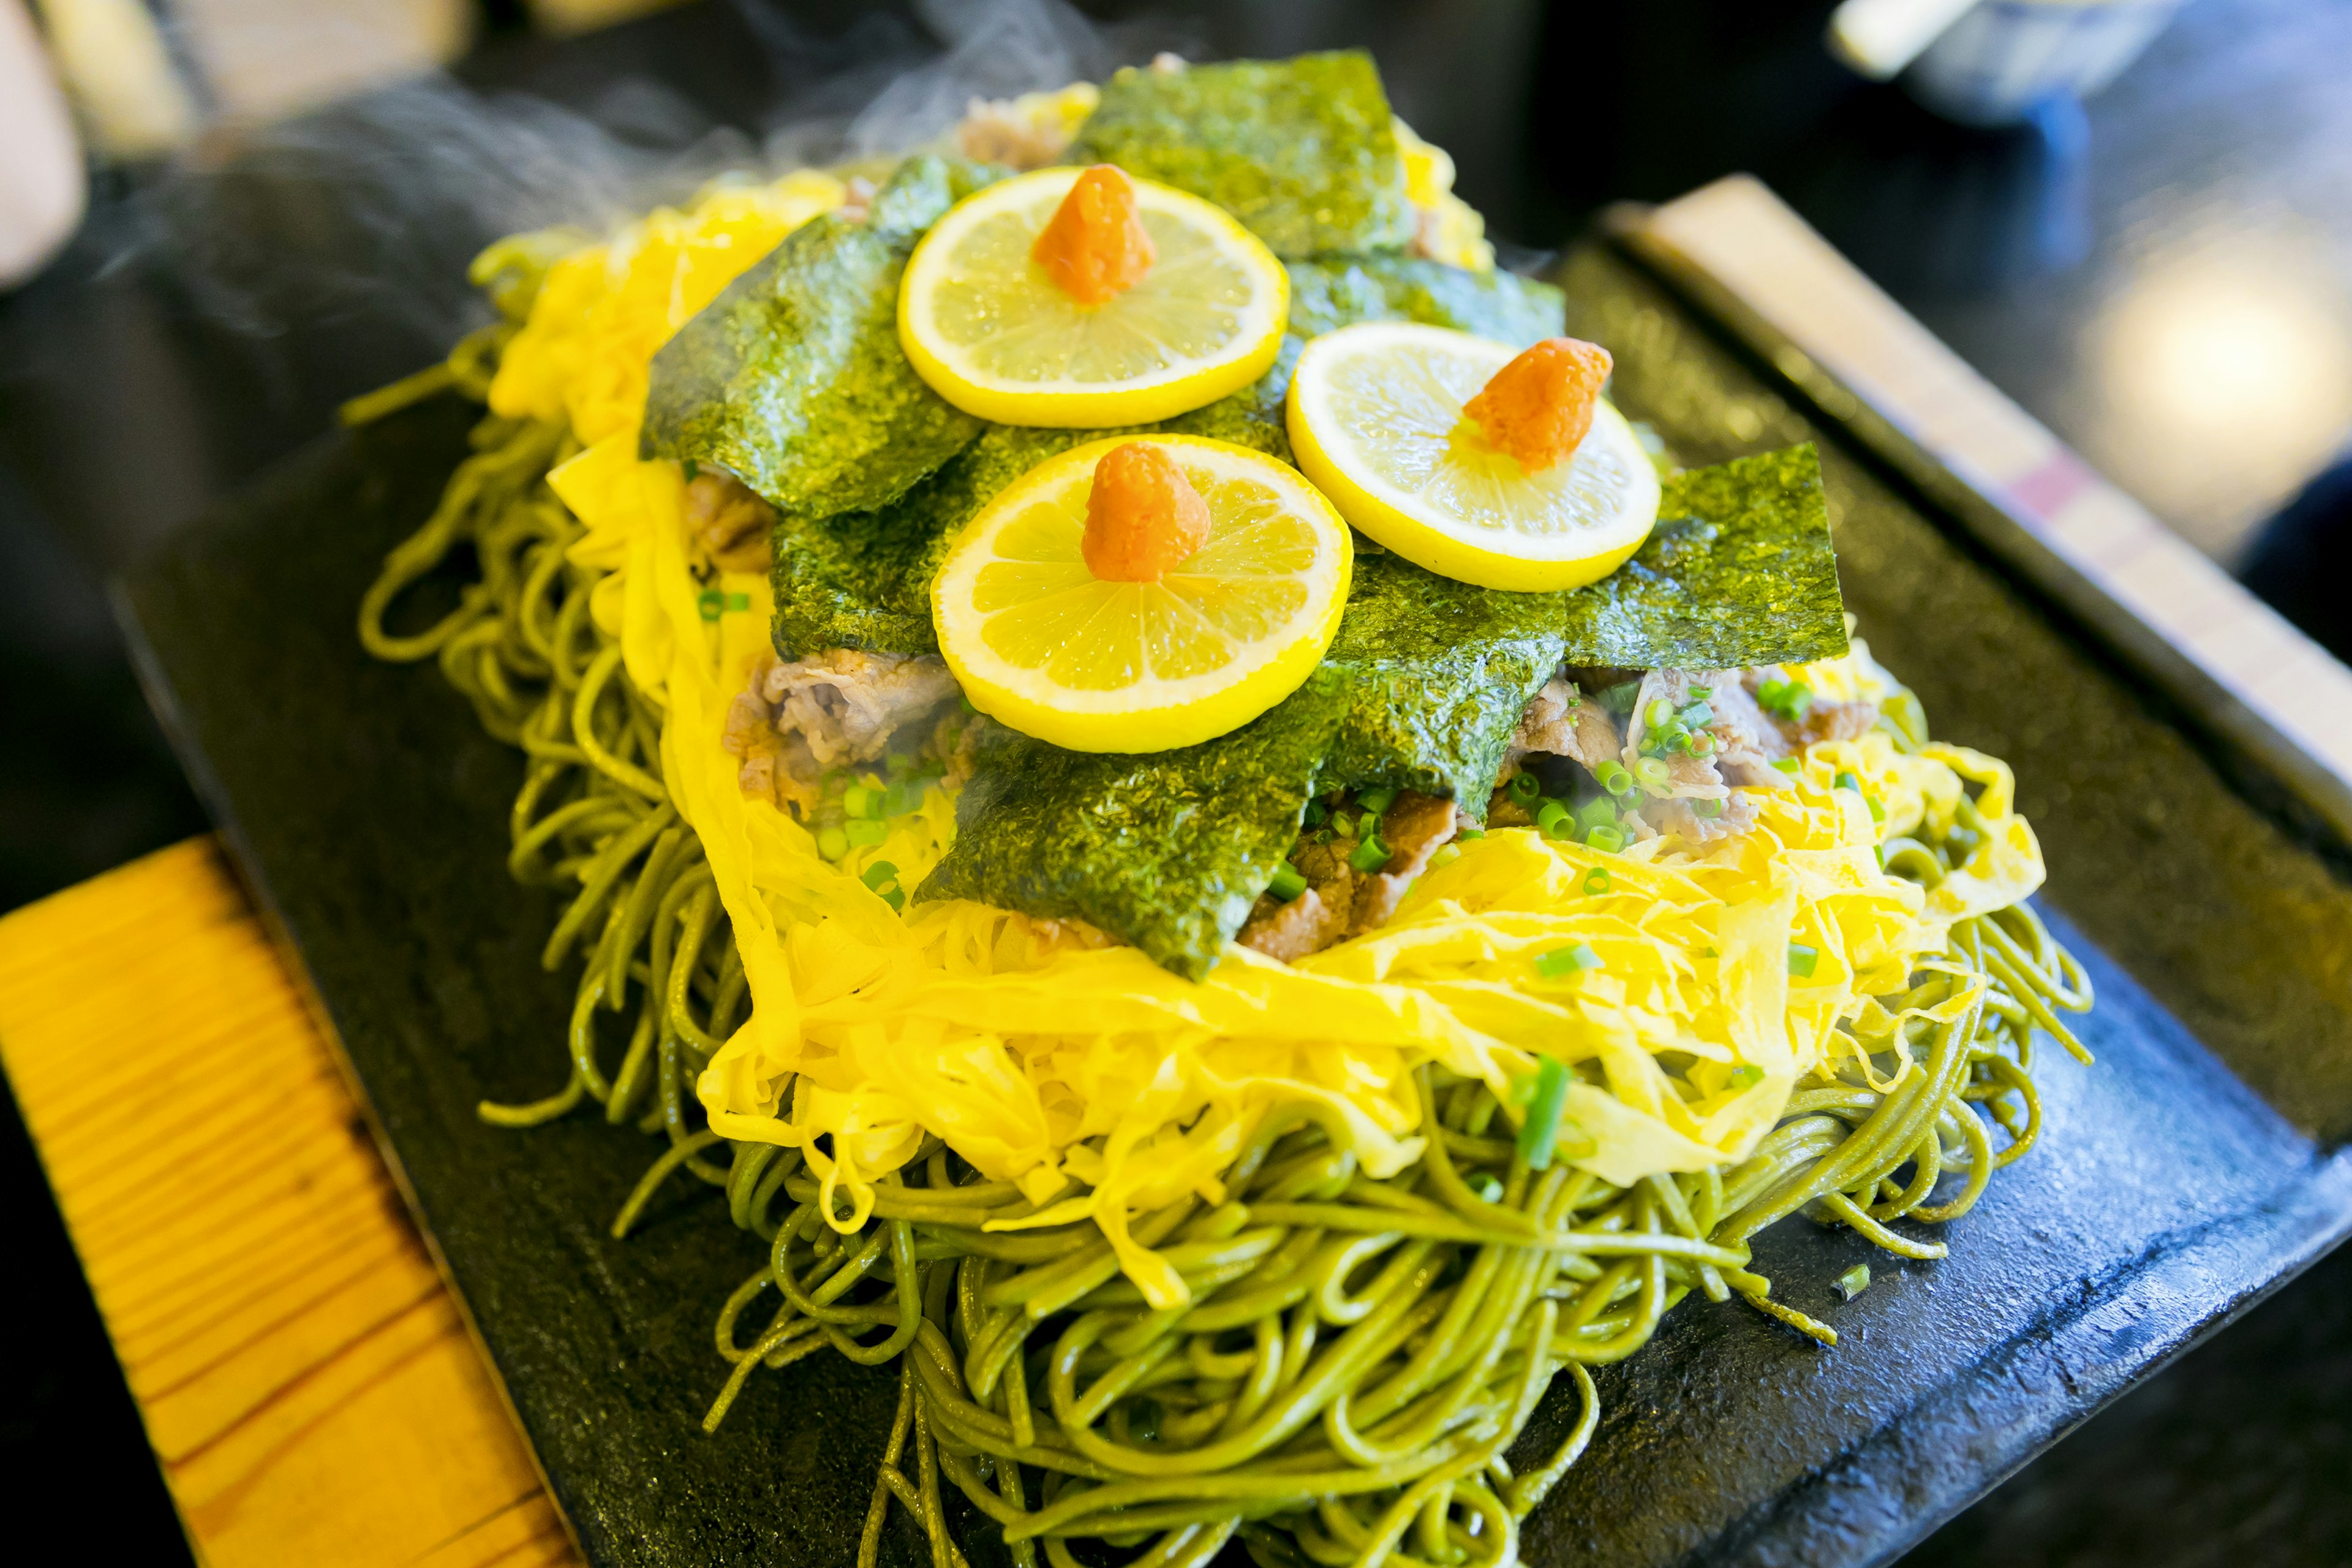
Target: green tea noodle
{"points": [[1359, 1356]]}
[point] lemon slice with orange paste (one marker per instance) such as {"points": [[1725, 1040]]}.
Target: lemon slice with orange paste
{"points": [[1084, 298], [1139, 594], [1505, 469]]}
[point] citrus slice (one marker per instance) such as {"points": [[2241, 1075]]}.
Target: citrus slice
{"points": [[1376, 415], [994, 334], [1134, 664]]}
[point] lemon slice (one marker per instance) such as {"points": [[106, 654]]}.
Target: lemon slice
{"points": [[1037, 641], [1375, 413], [992, 334]]}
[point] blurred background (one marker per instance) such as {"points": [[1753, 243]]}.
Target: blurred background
{"points": [[218, 218]]}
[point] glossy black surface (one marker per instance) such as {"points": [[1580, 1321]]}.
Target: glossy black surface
{"points": [[2168, 1194]]}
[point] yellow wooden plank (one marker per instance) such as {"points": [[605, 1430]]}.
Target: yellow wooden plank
{"points": [[305, 1376]]}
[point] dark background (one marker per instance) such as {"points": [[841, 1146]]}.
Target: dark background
{"points": [[207, 320]]}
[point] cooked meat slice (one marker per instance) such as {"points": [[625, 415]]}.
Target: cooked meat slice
{"points": [[1413, 827], [728, 523], [847, 704], [1292, 931], [1676, 816], [1561, 720], [1747, 741], [998, 131]]}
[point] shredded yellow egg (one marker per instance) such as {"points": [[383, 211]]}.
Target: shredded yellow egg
{"points": [[603, 309], [1104, 1086]]}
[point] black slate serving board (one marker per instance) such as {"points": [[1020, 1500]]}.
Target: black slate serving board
{"points": [[2186, 1173]]}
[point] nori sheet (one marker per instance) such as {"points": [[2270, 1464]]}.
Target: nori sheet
{"points": [[1301, 150], [1167, 850], [1739, 571], [793, 379], [1328, 292], [862, 580]]}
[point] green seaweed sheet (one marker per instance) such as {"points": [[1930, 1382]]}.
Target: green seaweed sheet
{"points": [[1303, 150], [793, 379], [1328, 292], [1422, 688], [1738, 572], [1167, 850], [1438, 674]]}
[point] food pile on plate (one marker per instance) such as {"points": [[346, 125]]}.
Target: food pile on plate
{"points": [[1229, 866]]}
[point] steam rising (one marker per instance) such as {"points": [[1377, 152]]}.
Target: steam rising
{"points": [[343, 236]]}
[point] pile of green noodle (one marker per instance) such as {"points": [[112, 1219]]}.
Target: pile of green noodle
{"points": [[1359, 1355]]}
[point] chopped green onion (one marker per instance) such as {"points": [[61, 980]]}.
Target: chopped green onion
{"points": [[1489, 1190], [1376, 800], [1562, 960], [1747, 1076], [1288, 883], [1598, 812], [1596, 881], [1343, 825], [1524, 788], [1702, 745], [1467, 835], [1317, 813], [710, 603], [1788, 765], [1447, 855], [864, 833], [1847, 780], [1697, 716], [1707, 809], [831, 843], [1608, 840], [1652, 773], [1853, 1281], [1789, 699], [903, 798], [1614, 777], [1802, 960], [1655, 715], [860, 800], [1369, 856], [1701, 693], [1878, 812], [883, 877], [1539, 1133], [1553, 817]]}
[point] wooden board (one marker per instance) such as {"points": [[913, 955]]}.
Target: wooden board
{"points": [[307, 1378]]}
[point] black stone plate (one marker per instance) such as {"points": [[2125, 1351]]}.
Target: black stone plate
{"points": [[2181, 1178]]}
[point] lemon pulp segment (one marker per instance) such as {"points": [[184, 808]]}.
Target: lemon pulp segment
{"points": [[991, 333], [1040, 643], [1375, 413]]}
